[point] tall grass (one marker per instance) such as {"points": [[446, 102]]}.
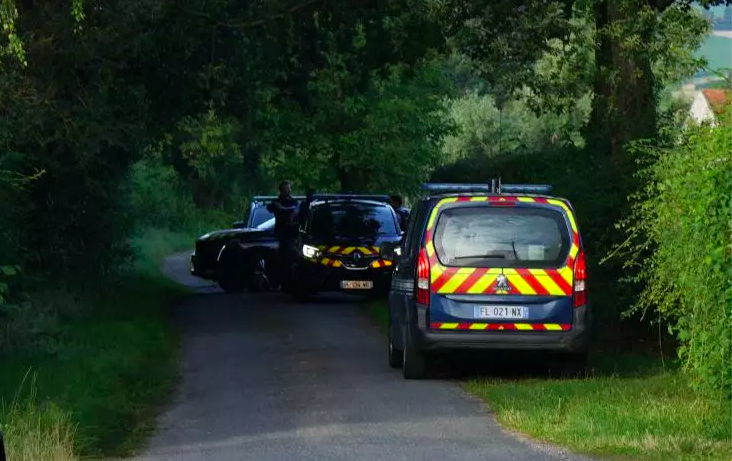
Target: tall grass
{"points": [[36, 431], [102, 362]]}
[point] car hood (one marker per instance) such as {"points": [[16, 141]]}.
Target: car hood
{"points": [[376, 241], [232, 233]]}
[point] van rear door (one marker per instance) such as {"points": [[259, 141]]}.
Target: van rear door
{"points": [[501, 263]]}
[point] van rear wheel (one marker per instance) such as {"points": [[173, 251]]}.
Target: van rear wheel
{"points": [[414, 361], [396, 356]]}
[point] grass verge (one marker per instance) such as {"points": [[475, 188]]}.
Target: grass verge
{"points": [[628, 408], [648, 418], [93, 389]]}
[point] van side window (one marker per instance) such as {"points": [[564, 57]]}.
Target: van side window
{"points": [[414, 230]]}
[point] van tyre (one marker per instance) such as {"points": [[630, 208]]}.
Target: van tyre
{"points": [[395, 355], [414, 361]]}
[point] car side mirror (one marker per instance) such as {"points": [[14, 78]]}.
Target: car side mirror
{"points": [[239, 225], [390, 251], [2, 448]]}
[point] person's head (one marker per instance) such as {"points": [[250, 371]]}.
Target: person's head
{"points": [[395, 200], [285, 189]]}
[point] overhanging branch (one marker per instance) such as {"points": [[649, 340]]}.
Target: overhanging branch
{"points": [[259, 22]]}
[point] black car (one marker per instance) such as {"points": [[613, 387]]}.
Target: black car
{"points": [[241, 257], [340, 244], [488, 267]]}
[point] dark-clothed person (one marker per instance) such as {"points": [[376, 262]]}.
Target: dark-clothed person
{"points": [[284, 209], [396, 202]]}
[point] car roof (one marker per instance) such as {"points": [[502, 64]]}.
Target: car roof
{"points": [[349, 200]]}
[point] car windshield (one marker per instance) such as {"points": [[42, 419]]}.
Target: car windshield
{"points": [[490, 237], [260, 215], [351, 220], [269, 224]]}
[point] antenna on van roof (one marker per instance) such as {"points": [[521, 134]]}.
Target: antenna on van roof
{"points": [[496, 186]]}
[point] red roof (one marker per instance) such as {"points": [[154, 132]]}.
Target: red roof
{"points": [[718, 99]]}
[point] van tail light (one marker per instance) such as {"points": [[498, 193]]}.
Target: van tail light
{"points": [[423, 278], [580, 280]]}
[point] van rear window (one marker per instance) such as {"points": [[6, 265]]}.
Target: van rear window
{"points": [[482, 236]]}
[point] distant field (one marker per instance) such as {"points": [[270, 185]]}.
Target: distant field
{"points": [[718, 52]]}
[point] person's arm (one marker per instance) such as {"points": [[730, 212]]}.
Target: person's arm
{"points": [[274, 206]]}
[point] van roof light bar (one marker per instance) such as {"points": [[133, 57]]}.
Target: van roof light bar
{"points": [[493, 187], [526, 188]]}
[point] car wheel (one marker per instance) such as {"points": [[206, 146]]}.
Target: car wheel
{"points": [[414, 361], [260, 278], [230, 275], [395, 355], [231, 281]]}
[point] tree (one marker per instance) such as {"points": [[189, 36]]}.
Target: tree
{"points": [[385, 138], [504, 38], [625, 87]]}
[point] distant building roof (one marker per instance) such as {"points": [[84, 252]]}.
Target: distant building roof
{"points": [[718, 99]]}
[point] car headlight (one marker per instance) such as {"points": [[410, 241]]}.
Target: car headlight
{"points": [[310, 251]]}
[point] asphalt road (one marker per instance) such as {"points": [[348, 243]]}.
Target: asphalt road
{"points": [[266, 379]]}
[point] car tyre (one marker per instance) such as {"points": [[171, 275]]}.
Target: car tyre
{"points": [[414, 361], [261, 274], [229, 275], [230, 284]]}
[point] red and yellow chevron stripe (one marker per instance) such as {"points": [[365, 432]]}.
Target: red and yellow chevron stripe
{"points": [[453, 280], [502, 326], [331, 262], [332, 252], [346, 250], [381, 263]]}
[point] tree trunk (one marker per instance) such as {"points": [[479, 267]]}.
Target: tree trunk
{"points": [[624, 107], [598, 130]]}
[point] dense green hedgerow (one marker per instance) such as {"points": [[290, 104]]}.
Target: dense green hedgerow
{"points": [[683, 219]]}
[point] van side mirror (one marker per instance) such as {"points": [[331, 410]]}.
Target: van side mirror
{"points": [[390, 251], [239, 225]]}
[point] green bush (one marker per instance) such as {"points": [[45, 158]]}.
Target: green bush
{"points": [[484, 130], [679, 240], [157, 193], [160, 198]]}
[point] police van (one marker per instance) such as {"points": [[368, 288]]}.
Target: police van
{"points": [[488, 266]]}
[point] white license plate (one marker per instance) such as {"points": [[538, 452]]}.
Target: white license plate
{"points": [[501, 312], [357, 284]]}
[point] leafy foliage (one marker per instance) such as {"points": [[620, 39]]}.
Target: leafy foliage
{"points": [[504, 38], [486, 130], [679, 241], [385, 136]]}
